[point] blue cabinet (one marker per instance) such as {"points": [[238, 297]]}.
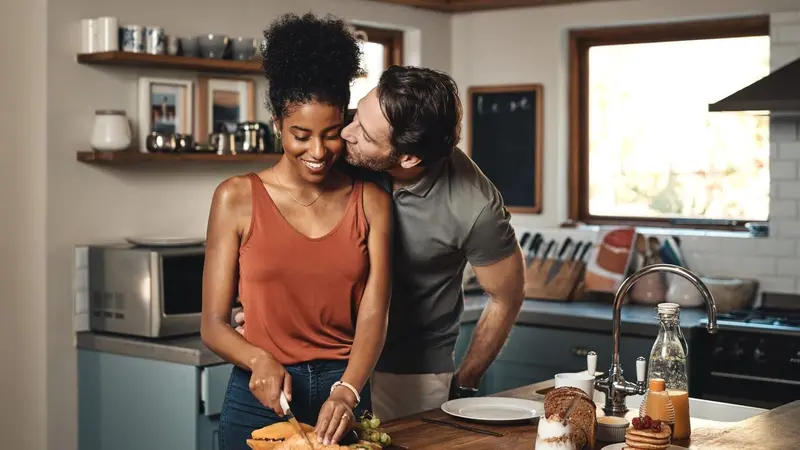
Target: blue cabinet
{"points": [[534, 354], [128, 403]]}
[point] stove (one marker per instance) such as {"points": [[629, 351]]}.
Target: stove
{"points": [[754, 358]]}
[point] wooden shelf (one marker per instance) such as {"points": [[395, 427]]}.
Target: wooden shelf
{"points": [[131, 157], [171, 62]]}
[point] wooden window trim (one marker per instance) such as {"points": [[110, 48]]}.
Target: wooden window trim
{"points": [[579, 43], [392, 41]]}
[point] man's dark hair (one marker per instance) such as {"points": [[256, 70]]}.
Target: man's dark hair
{"points": [[309, 59], [424, 111]]}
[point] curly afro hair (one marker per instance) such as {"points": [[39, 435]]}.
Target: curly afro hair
{"points": [[309, 59]]}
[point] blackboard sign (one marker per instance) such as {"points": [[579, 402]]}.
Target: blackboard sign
{"points": [[505, 141]]}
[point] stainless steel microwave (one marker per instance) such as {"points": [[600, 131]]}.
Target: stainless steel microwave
{"points": [[145, 291]]}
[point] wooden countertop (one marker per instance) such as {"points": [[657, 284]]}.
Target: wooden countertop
{"points": [[775, 429]]}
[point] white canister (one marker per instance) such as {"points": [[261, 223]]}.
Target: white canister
{"points": [[111, 131], [89, 35], [107, 34]]}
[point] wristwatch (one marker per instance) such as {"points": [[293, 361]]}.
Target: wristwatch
{"points": [[457, 391]]}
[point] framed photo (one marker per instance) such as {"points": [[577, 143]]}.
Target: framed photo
{"points": [[165, 106], [222, 103]]}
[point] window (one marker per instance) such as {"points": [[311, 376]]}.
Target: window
{"points": [[644, 149], [381, 48]]}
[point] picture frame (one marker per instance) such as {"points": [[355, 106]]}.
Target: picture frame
{"points": [[166, 105], [222, 103]]}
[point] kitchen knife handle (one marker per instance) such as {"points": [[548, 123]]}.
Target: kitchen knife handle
{"points": [[284, 403], [585, 250], [548, 248], [536, 244], [524, 239], [564, 247], [577, 250]]}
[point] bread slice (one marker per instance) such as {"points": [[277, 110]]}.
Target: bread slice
{"points": [[583, 416]]}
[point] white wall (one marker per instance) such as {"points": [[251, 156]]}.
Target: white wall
{"points": [[49, 101], [531, 46], [23, 180]]}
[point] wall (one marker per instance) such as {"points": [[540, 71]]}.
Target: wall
{"points": [[23, 180], [530, 45], [90, 204]]}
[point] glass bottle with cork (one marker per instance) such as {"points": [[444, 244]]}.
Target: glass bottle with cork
{"points": [[668, 363]]}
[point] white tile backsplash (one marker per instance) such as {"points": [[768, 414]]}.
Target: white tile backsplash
{"points": [[783, 169], [786, 209]]}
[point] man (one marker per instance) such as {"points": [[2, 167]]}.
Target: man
{"points": [[447, 214]]}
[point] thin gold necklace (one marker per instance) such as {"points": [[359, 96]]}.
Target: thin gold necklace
{"points": [[275, 175]]}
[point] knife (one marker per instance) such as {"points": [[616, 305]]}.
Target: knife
{"points": [[559, 261], [292, 420], [524, 239], [582, 257], [546, 252], [533, 249]]}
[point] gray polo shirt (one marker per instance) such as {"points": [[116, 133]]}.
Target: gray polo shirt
{"points": [[451, 216]]}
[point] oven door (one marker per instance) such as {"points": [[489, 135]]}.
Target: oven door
{"points": [[179, 290], [748, 368], [761, 392]]}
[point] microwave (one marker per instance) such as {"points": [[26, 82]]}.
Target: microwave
{"points": [[150, 292]]}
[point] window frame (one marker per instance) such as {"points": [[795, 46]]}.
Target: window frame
{"points": [[580, 41], [392, 41]]}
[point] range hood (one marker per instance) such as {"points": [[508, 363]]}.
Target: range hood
{"points": [[778, 93]]}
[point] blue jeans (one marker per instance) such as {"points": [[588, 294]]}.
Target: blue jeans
{"points": [[311, 384]]}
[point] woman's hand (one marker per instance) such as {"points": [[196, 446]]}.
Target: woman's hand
{"points": [[336, 416], [267, 380]]}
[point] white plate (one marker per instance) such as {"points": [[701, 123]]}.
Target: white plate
{"points": [[494, 409], [621, 445], [148, 241]]}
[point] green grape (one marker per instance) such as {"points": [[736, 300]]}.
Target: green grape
{"points": [[365, 424], [375, 422], [375, 437], [385, 439]]}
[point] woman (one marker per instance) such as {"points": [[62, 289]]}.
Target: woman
{"points": [[308, 246]]}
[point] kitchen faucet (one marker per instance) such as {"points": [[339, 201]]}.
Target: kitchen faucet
{"points": [[615, 387]]}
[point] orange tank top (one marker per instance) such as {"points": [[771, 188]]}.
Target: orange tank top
{"points": [[301, 294]]}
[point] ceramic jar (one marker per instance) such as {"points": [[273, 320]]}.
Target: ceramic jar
{"points": [[111, 131]]}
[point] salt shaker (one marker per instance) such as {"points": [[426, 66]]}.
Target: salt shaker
{"points": [[111, 131]]}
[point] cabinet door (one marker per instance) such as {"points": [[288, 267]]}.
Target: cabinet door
{"points": [[207, 433], [213, 385]]}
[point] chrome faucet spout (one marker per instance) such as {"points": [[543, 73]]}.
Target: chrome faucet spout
{"points": [[615, 387], [626, 286]]}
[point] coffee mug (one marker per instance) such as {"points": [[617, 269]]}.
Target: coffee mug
{"points": [[580, 380]]}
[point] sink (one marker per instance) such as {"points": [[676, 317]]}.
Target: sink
{"points": [[704, 410], [698, 408]]}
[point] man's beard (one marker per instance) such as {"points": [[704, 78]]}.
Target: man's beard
{"points": [[376, 164]]}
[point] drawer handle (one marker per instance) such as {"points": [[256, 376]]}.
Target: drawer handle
{"points": [[580, 351]]}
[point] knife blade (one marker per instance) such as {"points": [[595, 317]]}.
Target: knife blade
{"points": [[559, 261], [546, 252], [533, 249], [292, 420]]}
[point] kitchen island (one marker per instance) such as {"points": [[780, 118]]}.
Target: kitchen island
{"points": [[774, 429]]}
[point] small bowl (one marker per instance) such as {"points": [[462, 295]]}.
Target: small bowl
{"points": [[611, 429]]}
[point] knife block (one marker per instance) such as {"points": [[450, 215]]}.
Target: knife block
{"points": [[566, 285]]}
